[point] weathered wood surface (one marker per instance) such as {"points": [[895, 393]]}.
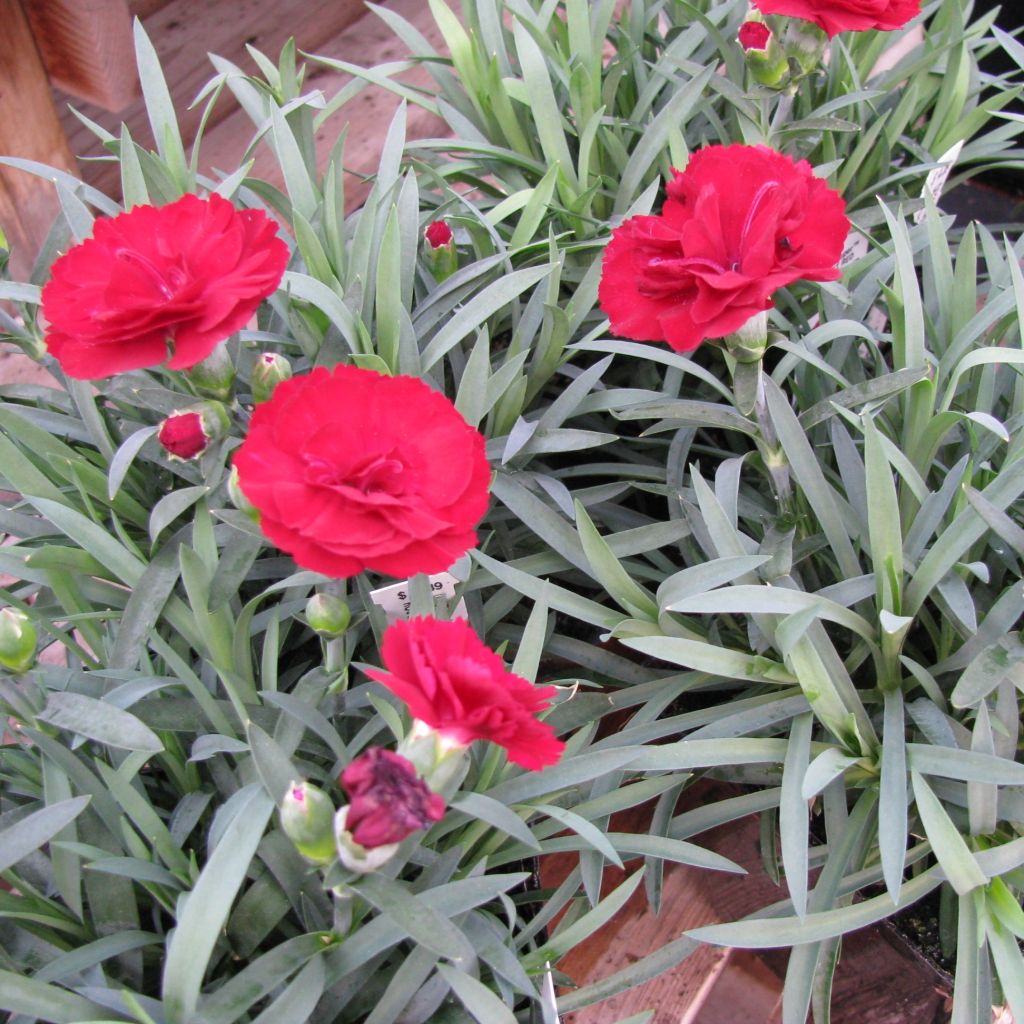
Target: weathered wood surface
{"points": [[879, 979], [183, 33], [87, 48], [367, 117], [29, 128]]}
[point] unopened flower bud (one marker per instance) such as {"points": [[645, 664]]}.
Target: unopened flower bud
{"points": [[328, 614], [764, 56], [238, 498], [213, 376], [439, 246], [307, 817], [268, 371], [17, 640], [187, 434]]}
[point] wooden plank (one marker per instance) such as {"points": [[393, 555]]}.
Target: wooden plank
{"points": [[87, 48], [183, 32], [29, 128], [880, 980]]}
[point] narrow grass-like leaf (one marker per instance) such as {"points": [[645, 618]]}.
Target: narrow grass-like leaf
{"points": [[39, 827], [476, 311], [712, 658], [497, 814], [569, 936], [892, 802], [483, 1005], [160, 107], [775, 932], [966, 765], [793, 815], [952, 853], [609, 572], [206, 910], [298, 1000], [99, 720], [421, 922], [808, 472], [27, 996], [885, 538]]}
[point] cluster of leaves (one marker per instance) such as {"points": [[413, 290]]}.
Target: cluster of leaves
{"points": [[823, 560]]}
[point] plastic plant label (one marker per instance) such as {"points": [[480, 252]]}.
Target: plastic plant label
{"points": [[937, 178], [396, 602], [855, 247]]}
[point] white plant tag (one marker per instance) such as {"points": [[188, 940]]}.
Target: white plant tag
{"points": [[395, 601], [855, 246], [937, 178]]}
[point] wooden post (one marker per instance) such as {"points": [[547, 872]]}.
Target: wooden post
{"points": [[29, 128], [87, 48]]}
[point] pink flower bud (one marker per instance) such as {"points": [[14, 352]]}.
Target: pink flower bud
{"points": [[754, 35], [269, 370], [438, 234], [307, 820], [388, 800]]}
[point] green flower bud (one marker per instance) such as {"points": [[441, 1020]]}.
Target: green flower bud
{"points": [[268, 371], [328, 614], [17, 640], [238, 498], [307, 817], [213, 376]]}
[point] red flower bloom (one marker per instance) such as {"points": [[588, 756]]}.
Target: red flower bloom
{"points": [[835, 16], [160, 284], [739, 222], [754, 35], [388, 800], [458, 686], [438, 233], [183, 435], [351, 469]]}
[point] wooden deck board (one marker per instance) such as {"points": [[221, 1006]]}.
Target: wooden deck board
{"points": [[366, 42]]}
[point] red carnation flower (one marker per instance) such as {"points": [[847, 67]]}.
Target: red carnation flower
{"points": [[835, 16], [160, 284], [388, 800], [458, 686], [350, 469], [739, 223]]}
